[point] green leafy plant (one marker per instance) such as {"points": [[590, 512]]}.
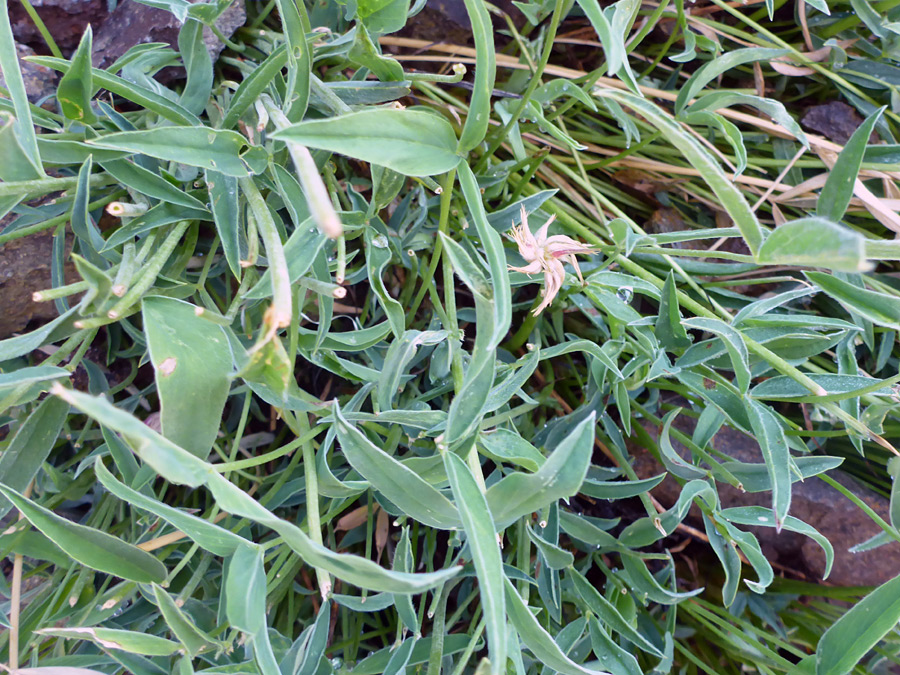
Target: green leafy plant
{"points": [[298, 414]]}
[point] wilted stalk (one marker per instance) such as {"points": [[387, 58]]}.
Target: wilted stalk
{"points": [[319, 202], [281, 309]]}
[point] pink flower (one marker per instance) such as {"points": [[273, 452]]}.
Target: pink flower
{"points": [[545, 254]]}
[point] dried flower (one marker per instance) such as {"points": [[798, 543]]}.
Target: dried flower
{"points": [[546, 254]]}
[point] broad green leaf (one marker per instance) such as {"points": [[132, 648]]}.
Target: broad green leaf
{"points": [[378, 256], [485, 550], [612, 37], [301, 249], [411, 142], [815, 242], [403, 562], [879, 308], [537, 639], [315, 645], [93, 548], [395, 480], [670, 458], [838, 189], [775, 452], [669, 331], [31, 445], [76, 87], [245, 590], [364, 53], [721, 64], [296, 25], [503, 445], [383, 16], [111, 638], [14, 347], [646, 587], [376, 664], [620, 489], [219, 150], [208, 536], [400, 658], [350, 568], [198, 65], [184, 630], [519, 494], [465, 268], [846, 642], [755, 477], [193, 365], [181, 468]]}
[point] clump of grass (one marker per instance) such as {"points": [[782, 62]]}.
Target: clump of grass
{"points": [[298, 414]]}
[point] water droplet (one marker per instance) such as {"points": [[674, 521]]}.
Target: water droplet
{"points": [[625, 294], [380, 241]]}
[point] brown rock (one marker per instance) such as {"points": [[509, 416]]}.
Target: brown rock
{"points": [[133, 23], [40, 82], [835, 120], [24, 269], [65, 19], [812, 501]]}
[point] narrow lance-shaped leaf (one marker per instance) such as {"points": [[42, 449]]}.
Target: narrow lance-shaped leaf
{"points": [[208, 536], [76, 87], [93, 548], [519, 494], [774, 448], [838, 189], [31, 445], [12, 75], [476, 124], [856, 632], [538, 640], [479, 526], [396, 481], [729, 196]]}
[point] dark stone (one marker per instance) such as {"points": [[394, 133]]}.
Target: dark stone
{"points": [[24, 269], [835, 120], [40, 82], [133, 23], [65, 19], [812, 501]]}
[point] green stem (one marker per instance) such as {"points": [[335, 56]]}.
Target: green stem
{"points": [[501, 134]]}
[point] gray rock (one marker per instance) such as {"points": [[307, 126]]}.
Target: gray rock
{"points": [[40, 82], [133, 23], [812, 501]]}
